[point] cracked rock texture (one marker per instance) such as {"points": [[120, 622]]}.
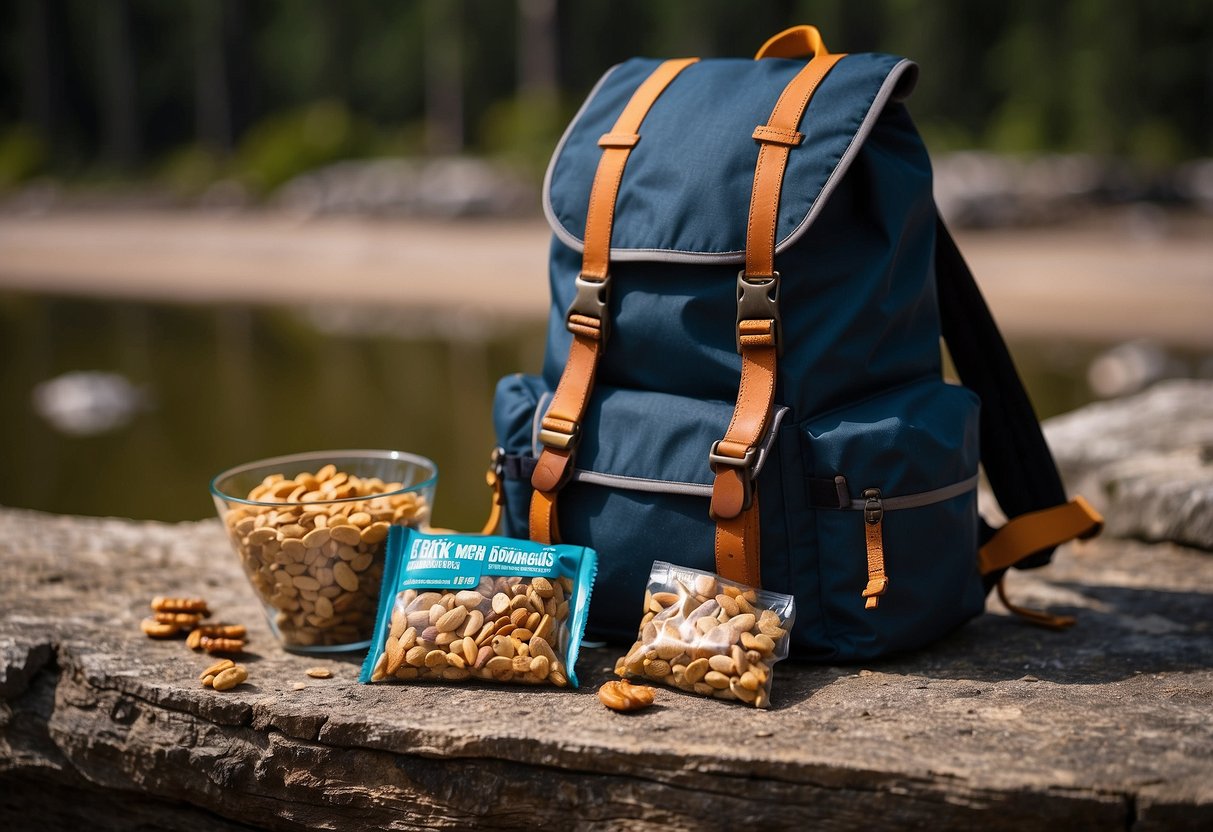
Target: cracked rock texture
{"points": [[1146, 461], [1001, 725]]}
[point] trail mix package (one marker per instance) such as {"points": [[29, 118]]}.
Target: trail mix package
{"points": [[456, 607], [703, 634]]}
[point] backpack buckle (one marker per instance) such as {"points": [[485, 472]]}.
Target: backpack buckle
{"points": [[560, 440], [758, 301], [744, 466], [587, 313]]}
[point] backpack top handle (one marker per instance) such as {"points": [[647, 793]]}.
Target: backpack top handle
{"points": [[797, 42]]}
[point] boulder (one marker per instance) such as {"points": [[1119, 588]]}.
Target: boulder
{"points": [[1145, 461]]}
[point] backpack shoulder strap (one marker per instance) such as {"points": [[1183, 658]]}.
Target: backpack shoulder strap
{"points": [[1016, 457], [588, 317], [734, 505]]}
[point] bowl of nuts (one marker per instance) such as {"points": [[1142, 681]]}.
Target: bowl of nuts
{"points": [[309, 530]]}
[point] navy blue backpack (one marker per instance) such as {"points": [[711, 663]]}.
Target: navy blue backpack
{"points": [[749, 283]]}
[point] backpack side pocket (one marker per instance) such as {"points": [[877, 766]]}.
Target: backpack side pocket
{"points": [[892, 487]]}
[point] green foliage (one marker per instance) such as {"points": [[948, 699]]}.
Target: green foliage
{"points": [[1155, 142], [189, 170], [244, 76], [523, 130], [22, 155], [942, 136], [287, 144]]}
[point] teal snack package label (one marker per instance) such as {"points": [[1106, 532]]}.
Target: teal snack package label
{"points": [[458, 607], [459, 561]]}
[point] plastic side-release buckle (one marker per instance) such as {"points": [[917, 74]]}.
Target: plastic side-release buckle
{"points": [[590, 306], [758, 300]]}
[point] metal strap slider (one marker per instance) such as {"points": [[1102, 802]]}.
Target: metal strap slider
{"points": [[590, 302], [744, 466], [558, 439]]}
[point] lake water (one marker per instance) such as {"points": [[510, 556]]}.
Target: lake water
{"points": [[186, 391]]}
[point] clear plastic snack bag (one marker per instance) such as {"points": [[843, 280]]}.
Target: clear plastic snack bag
{"points": [[706, 635], [457, 607]]}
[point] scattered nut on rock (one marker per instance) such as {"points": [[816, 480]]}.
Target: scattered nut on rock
{"points": [[298, 686], [222, 645], [184, 620], [624, 696], [156, 629], [189, 605], [319, 673], [229, 677], [216, 668]]}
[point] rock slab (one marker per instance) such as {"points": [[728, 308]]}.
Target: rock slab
{"points": [[1106, 725], [1145, 461]]}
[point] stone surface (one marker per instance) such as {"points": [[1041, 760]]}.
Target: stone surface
{"points": [[1001, 725], [1145, 461]]}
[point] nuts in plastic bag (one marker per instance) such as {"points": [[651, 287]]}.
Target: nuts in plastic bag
{"points": [[707, 635], [458, 607]]}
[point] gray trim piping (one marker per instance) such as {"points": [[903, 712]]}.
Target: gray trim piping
{"points": [[644, 484], [895, 503], [922, 498], [887, 90], [548, 211], [886, 93], [692, 489]]}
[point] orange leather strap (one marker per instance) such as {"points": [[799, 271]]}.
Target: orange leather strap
{"points": [[1040, 618], [736, 539], [587, 318], [543, 516], [1036, 530], [878, 581], [732, 458], [495, 480]]}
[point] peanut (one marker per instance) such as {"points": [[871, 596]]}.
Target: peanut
{"points": [[624, 696], [216, 667], [156, 629], [317, 562], [229, 677], [209, 631], [193, 605], [319, 672], [708, 636], [222, 645], [184, 620], [500, 631]]}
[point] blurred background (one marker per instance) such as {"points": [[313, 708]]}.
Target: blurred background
{"points": [[237, 228]]}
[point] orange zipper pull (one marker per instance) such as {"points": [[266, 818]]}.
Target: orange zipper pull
{"points": [[873, 516]]}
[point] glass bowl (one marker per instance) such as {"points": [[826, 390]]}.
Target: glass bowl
{"points": [[310, 531]]}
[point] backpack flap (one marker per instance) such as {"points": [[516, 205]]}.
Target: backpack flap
{"points": [[854, 231], [686, 192]]}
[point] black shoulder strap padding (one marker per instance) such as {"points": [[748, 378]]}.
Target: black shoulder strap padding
{"points": [[1016, 458]]}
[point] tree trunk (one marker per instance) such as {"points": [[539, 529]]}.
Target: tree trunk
{"points": [[443, 76], [116, 75]]}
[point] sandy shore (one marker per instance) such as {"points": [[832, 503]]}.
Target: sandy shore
{"points": [[1095, 283]]}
